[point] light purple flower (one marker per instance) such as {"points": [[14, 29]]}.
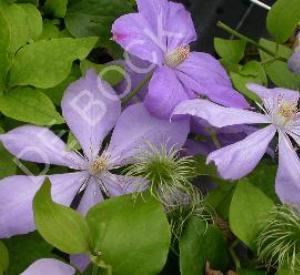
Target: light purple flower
{"points": [[49, 267], [237, 160], [161, 33], [294, 60], [91, 109]]}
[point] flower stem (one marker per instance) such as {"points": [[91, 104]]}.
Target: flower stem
{"points": [[137, 89], [226, 28]]}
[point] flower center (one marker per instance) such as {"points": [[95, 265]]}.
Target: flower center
{"points": [[99, 165], [177, 56], [285, 113]]}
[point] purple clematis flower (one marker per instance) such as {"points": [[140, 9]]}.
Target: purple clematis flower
{"points": [[237, 160], [161, 33], [49, 267], [91, 109], [294, 60]]}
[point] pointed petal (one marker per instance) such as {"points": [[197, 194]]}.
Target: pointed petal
{"points": [[288, 174], [137, 37], [272, 97], [179, 26], [239, 159], [80, 261], [294, 61], [16, 195], [91, 196], [118, 185], [217, 115], [38, 144], [136, 128], [165, 93], [91, 108], [203, 74], [49, 267]]}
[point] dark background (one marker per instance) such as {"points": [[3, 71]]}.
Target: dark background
{"points": [[241, 15]]}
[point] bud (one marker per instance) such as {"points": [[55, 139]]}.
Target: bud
{"points": [[278, 241], [170, 177]]}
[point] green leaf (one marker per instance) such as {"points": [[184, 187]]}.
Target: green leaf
{"points": [[34, 21], [50, 30], [263, 177], [201, 243], [59, 225], [251, 72], [56, 8], [248, 207], [4, 258], [23, 21], [231, 51], [29, 105], [56, 93], [132, 234], [111, 73], [7, 165], [46, 63], [220, 198], [94, 18], [283, 19], [278, 71], [24, 250]]}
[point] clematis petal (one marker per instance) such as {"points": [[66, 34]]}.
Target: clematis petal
{"points": [[179, 26], [91, 108], [165, 93], [38, 144], [136, 128], [239, 159], [80, 261], [118, 185], [294, 60], [153, 12], [49, 267], [91, 196], [288, 174], [137, 37], [16, 195], [272, 97], [217, 115], [203, 74]]}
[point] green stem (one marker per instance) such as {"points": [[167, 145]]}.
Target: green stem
{"points": [[95, 270], [226, 28], [137, 89], [234, 256]]}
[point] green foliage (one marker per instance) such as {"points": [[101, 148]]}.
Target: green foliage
{"points": [[61, 226], [29, 105], [25, 249], [249, 206], [89, 17], [251, 72], [201, 243], [23, 22], [231, 51], [46, 63], [4, 258], [283, 19], [111, 73], [277, 70], [132, 234], [56, 8]]}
